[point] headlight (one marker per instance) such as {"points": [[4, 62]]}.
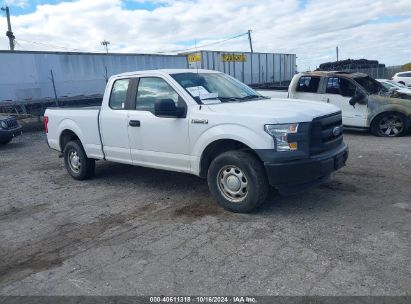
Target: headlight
{"points": [[280, 134], [3, 125]]}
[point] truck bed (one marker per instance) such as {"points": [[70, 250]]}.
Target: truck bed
{"points": [[82, 121]]}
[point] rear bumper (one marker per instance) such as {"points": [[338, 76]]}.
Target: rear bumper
{"points": [[298, 175], [8, 134]]}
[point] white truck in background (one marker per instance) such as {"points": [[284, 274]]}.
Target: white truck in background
{"points": [[365, 103], [204, 123]]}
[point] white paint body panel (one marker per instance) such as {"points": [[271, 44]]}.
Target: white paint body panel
{"points": [[351, 116], [176, 144]]}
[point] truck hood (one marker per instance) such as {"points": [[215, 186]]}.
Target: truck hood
{"points": [[280, 110]]}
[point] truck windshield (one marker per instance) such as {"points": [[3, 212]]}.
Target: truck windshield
{"points": [[215, 86], [370, 85]]}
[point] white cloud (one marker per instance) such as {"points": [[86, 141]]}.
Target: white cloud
{"points": [[278, 26]]}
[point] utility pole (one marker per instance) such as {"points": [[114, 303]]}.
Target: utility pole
{"points": [[9, 33], [105, 43], [251, 42], [336, 49]]}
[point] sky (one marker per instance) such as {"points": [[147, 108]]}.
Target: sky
{"points": [[311, 29]]}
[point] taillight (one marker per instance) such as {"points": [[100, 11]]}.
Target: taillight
{"points": [[45, 124]]}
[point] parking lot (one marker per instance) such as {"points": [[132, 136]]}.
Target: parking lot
{"points": [[137, 231]]}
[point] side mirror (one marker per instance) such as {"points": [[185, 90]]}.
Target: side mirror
{"points": [[167, 108], [359, 98]]}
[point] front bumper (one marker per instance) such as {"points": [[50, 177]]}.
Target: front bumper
{"points": [[8, 134], [294, 176]]}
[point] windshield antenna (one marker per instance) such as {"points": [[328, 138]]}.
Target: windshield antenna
{"points": [[195, 45]]}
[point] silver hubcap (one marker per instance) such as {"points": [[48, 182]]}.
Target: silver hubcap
{"points": [[391, 125], [232, 184], [74, 161]]}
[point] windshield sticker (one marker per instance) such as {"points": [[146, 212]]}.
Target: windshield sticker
{"points": [[197, 91], [205, 96]]}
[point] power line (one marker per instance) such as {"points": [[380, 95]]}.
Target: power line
{"points": [[205, 45], [170, 51], [53, 46]]}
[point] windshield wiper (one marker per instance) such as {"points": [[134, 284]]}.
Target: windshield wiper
{"points": [[227, 99], [248, 97]]}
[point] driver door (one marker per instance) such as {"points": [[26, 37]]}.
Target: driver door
{"points": [[338, 92], [158, 142]]}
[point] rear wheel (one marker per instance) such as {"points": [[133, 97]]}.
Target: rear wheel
{"points": [[78, 165], [390, 124], [237, 180]]}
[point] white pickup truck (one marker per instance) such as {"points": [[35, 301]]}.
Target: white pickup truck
{"points": [[204, 123]]}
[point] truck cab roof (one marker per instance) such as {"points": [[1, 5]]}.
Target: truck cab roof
{"points": [[164, 72]]}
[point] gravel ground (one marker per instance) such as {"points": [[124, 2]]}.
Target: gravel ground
{"points": [[137, 231]]}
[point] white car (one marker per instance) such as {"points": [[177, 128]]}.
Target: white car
{"points": [[403, 78], [204, 123], [392, 85]]}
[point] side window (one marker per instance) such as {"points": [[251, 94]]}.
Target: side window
{"points": [[333, 86], [340, 86], [152, 89], [308, 84], [118, 94], [406, 75]]}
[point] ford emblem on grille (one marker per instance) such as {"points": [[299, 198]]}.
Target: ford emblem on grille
{"points": [[337, 131]]}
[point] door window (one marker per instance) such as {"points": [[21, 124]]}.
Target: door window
{"points": [[118, 94], [308, 84], [153, 89], [340, 86]]}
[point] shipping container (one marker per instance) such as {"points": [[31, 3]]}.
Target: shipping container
{"points": [[27, 75], [258, 69]]}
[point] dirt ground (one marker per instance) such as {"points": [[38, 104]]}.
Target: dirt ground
{"points": [[136, 231]]}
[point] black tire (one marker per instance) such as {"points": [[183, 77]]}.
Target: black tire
{"points": [[402, 82], [252, 176], [86, 166], [5, 141], [389, 124]]}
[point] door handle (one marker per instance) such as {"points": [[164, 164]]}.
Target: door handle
{"points": [[134, 123]]}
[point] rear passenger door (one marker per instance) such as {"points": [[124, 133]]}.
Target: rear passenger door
{"points": [[307, 88], [339, 91], [114, 122]]}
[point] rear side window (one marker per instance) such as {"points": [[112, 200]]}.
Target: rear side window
{"points": [[118, 95], [308, 84], [340, 86], [152, 89]]}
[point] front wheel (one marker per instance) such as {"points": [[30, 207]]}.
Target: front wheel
{"points": [[238, 181], [389, 124], [78, 165], [5, 141]]}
